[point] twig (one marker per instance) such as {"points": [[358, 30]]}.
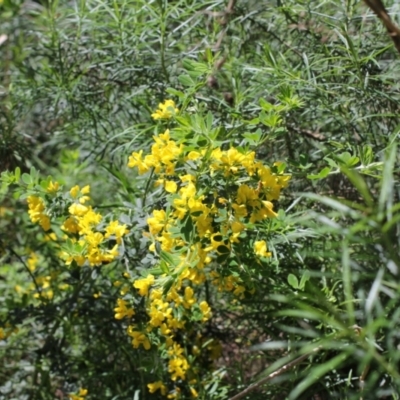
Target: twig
{"points": [[224, 21], [212, 81], [379, 9], [38, 289], [313, 135], [280, 371]]}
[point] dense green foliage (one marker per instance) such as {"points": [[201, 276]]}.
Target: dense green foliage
{"points": [[264, 91]]}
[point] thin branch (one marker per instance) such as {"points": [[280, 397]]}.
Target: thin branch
{"points": [[379, 9], [38, 289], [313, 135], [280, 371]]}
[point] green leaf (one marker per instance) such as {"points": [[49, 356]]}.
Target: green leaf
{"points": [[347, 159], [366, 155], [271, 120], [222, 258], [164, 267], [17, 174], [186, 80], [332, 163], [167, 285], [195, 66], [187, 229], [334, 204], [34, 173], [184, 121], [168, 258], [156, 271], [266, 105], [26, 178], [175, 92], [252, 138], [323, 174], [304, 279], [385, 197], [293, 281], [358, 181]]}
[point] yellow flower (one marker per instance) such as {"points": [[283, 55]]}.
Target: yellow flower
{"points": [[247, 195], [170, 186], [189, 297], [193, 391], [187, 178], [239, 291], [80, 396], [157, 317], [32, 261], [177, 367], [165, 110], [52, 187], [260, 248], [78, 209], [50, 237], [74, 191], [114, 228], [139, 338], [157, 222], [135, 160], [88, 220], [268, 209], [122, 311], [153, 387], [206, 310], [85, 189], [144, 284], [237, 226], [45, 222], [70, 225], [193, 155], [36, 207], [165, 330]]}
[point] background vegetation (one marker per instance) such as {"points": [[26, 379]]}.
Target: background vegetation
{"points": [[314, 85]]}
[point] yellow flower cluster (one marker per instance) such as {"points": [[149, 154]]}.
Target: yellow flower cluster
{"points": [[215, 198], [153, 387], [82, 226], [86, 242], [164, 154], [36, 212], [165, 110], [242, 205], [260, 248], [166, 315], [122, 310]]}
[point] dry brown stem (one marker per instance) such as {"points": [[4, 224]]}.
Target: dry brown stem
{"points": [[379, 9]]}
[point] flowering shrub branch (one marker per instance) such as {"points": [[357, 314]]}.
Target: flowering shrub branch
{"points": [[209, 229]]}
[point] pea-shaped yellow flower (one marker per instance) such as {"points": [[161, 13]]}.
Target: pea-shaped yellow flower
{"points": [[260, 248], [165, 110], [144, 284]]}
